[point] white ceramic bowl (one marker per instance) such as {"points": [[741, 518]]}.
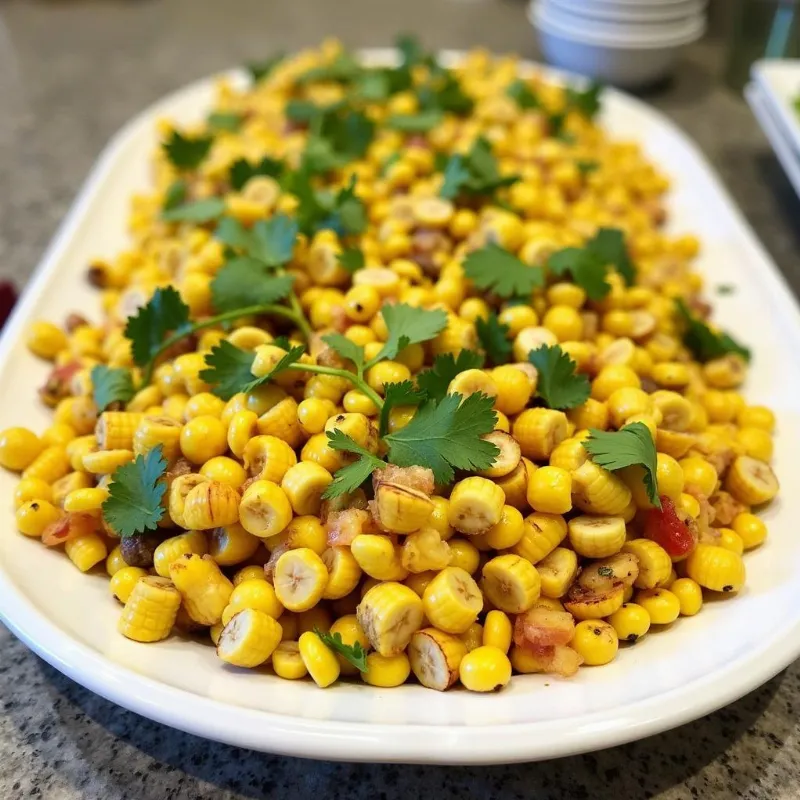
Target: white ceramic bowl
{"points": [[618, 60], [614, 11]]}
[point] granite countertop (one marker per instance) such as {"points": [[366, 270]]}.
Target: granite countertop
{"points": [[70, 74]]}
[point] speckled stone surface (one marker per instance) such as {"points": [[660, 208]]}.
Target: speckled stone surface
{"points": [[70, 74]]}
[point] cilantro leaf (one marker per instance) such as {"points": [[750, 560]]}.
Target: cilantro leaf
{"points": [[443, 92], [271, 242], [343, 69], [349, 478], [629, 446], [186, 152], [175, 194], [420, 122], [198, 211], [446, 436], [343, 212], [225, 121], [585, 101], [587, 269], [408, 325], [228, 369], [283, 342], [436, 380], [165, 312], [398, 394], [704, 342], [352, 259], [261, 69], [475, 173], [354, 653], [244, 282], [111, 385], [496, 270], [346, 349], [523, 95], [410, 49], [493, 336], [456, 177], [608, 244], [242, 170], [558, 383], [586, 166], [134, 497], [374, 85]]}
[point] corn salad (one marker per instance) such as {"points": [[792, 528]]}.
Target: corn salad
{"points": [[542, 560]]}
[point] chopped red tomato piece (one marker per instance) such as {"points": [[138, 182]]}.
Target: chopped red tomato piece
{"points": [[666, 528], [70, 526]]}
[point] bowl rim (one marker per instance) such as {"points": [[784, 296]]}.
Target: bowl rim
{"points": [[608, 13]]}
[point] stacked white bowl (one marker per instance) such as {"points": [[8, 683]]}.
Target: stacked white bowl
{"points": [[622, 42]]}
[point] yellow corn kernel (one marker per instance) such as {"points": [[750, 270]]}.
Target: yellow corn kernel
{"points": [[357, 402], [154, 431], [150, 610], [550, 490], [77, 448], [379, 557], [173, 548], [750, 528], [19, 447], [542, 534], [472, 637], [211, 504], [344, 572], [303, 484], [511, 583], [265, 509], [756, 417], [349, 628], [202, 438], [303, 532], [508, 531], [484, 669], [730, 540], [203, 404], [70, 483], [592, 414], [268, 458], [251, 572], [749, 480], [115, 430], [46, 340], [287, 662], [85, 499], [389, 614], [464, 554], [498, 631], [631, 622], [32, 489], [689, 594], [123, 581], [755, 442], [321, 662], [716, 568], [452, 600], [281, 421], [539, 431], [661, 604], [476, 505], [596, 536], [514, 389], [249, 638], [300, 578], [242, 428], [50, 465], [257, 594], [598, 491], [557, 571], [105, 462], [203, 587], [313, 413], [115, 562], [655, 564], [596, 642], [386, 672], [515, 484], [33, 516], [231, 544]]}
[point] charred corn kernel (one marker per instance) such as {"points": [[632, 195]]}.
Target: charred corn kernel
{"points": [[32, 489], [255, 593], [46, 340], [750, 528], [557, 571], [344, 572], [611, 378], [402, 509], [304, 484], [287, 662], [389, 614], [115, 562], [232, 544], [321, 662], [386, 671], [379, 557], [203, 438], [598, 491], [268, 458], [211, 504], [756, 417], [700, 474], [508, 531], [689, 594], [539, 431], [313, 413], [452, 600], [59, 433], [541, 535], [351, 632], [424, 550], [476, 505], [224, 470], [716, 568], [249, 638], [304, 532], [550, 490], [631, 621], [253, 572], [300, 578], [203, 587], [749, 480], [498, 631], [187, 543], [513, 389], [242, 429], [464, 554], [50, 465], [124, 580], [484, 669], [755, 442], [115, 430], [592, 414], [33, 516], [265, 509], [661, 604], [655, 564], [85, 499], [106, 462], [358, 403], [154, 431], [86, 551], [730, 540], [594, 606], [19, 447], [204, 404], [596, 536], [472, 637], [511, 583], [596, 642], [150, 610]]}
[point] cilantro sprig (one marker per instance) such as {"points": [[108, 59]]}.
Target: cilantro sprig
{"points": [[436, 380], [704, 342], [133, 504], [558, 384], [353, 653], [499, 271], [474, 174], [408, 325], [111, 385], [630, 446], [186, 153], [493, 336], [349, 478]]}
